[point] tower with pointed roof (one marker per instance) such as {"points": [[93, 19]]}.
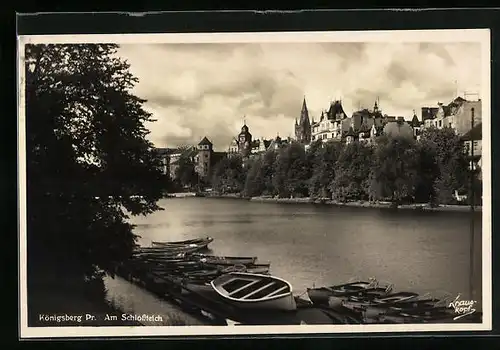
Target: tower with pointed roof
{"points": [[303, 126], [204, 161], [416, 125], [244, 141]]}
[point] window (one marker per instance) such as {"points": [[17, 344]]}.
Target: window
{"points": [[206, 155], [313, 137], [440, 123]]}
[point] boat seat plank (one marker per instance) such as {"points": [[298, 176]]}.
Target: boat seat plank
{"points": [[241, 288], [258, 290], [277, 291]]}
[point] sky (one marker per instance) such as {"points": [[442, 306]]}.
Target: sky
{"points": [[197, 90]]}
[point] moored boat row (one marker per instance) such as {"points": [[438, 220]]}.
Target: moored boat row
{"points": [[379, 303], [245, 283]]}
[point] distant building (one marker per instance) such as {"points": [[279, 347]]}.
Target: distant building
{"points": [[206, 158], [233, 146], [169, 158], [456, 115], [332, 123], [278, 143], [260, 146], [417, 126], [244, 141], [473, 141], [398, 128], [364, 125], [428, 115], [164, 154], [243, 145], [176, 155]]}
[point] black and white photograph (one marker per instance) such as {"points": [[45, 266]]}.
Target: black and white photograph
{"points": [[254, 183]]}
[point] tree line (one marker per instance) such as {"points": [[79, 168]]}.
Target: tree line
{"points": [[396, 169]]}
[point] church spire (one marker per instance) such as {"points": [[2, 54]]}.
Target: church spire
{"points": [[304, 105], [304, 113], [375, 107]]}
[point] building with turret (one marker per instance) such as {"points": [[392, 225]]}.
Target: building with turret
{"points": [[332, 124], [417, 126], [303, 126], [206, 158], [203, 159], [244, 141]]}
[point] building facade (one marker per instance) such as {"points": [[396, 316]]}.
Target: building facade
{"points": [[363, 125], [456, 115]]}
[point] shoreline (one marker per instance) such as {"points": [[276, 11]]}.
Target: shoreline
{"points": [[353, 204]]}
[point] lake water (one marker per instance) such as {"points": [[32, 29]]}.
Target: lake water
{"points": [[320, 245]]}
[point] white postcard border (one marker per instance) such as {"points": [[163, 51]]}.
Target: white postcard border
{"points": [[481, 36]]}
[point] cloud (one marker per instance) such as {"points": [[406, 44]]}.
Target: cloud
{"points": [[196, 90]]}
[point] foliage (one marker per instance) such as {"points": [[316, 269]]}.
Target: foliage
{"points": [[352, 170], [89, 164], [185, 172], [395, 167], [229, 175], [291, 172], [324, 160], [451, 171]]}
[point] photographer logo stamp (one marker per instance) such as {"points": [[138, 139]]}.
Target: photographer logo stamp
{"points": [[462, 308]]}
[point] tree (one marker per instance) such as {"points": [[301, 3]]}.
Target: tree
{"points": [[89, 164], [185, 172], [291, 173], [451, 162], [266, 172], [323, 167], [428, 171], [396, 167], [229, 175], [352, 172], [254, 182]]}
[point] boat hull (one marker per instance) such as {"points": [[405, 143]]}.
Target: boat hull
{"points": [[255, 291], [284, 304]]}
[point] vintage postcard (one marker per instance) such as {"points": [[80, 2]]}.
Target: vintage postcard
{"points": [[254, 183]]}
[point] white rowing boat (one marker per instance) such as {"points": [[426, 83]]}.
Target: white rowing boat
{"points": [[248, 290]]}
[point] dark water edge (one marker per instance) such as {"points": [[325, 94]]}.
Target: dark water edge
{"points": [[351, 204]]}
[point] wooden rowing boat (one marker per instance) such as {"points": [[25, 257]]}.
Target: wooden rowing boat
{"points": [[168, 250], [200, 243], [247, 290], [366, 290], [224, 260], [188, 241], [393, 299]]}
